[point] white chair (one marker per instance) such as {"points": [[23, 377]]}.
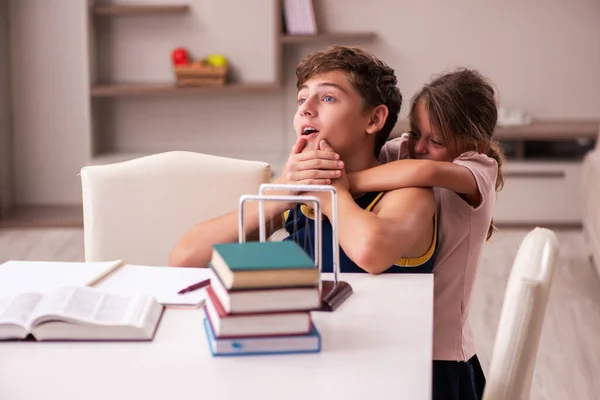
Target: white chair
{"points": [[137, 210], [515, 349]]}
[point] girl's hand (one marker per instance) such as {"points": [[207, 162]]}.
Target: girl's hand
{"points": [[342, 180]]}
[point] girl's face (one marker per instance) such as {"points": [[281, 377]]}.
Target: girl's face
{"points": [[423, 143]]}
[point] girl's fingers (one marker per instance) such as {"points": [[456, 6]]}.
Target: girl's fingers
{"points": [[317, 154], [313, 174], [323, 145], [299, 145], [315, 182], [317, 164]]}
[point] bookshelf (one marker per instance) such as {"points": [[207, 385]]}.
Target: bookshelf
{"points": [[105, 94], [116, 90]]}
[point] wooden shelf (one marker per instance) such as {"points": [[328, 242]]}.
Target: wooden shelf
{"points": [[326, 37], [537, 130], [150, 89], [134, 10], [551, 130]]}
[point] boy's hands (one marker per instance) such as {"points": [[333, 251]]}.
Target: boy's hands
{"points": [[311, 167]]}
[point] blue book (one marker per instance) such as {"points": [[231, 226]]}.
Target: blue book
{"points": [[309, 343]]}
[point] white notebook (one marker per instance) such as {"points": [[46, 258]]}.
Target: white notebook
{"points": [[117, 277], [163, 283], [45, 276]]}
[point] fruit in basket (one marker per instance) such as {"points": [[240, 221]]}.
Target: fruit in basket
{"points": [[216, 60], [180, 56]]}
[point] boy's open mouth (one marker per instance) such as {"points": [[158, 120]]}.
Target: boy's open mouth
{"points": [[309, 131]]}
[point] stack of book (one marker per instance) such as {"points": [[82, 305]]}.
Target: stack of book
{"points": [[260, 299]]}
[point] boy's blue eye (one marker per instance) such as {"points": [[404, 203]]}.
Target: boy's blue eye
{"points": [[328, 99], [300, 101]]}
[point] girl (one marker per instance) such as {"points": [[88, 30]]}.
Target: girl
{"points": [[449, 147]]}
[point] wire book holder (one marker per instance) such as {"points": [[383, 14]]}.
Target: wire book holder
{"points": [[335, 292]]}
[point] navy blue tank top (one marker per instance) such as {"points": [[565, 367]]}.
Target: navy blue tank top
{"points": [[299, 223]]}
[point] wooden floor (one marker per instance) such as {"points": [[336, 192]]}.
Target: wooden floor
{"points": [[569, 356]]}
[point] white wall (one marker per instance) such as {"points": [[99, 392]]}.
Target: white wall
{"points": [[6, 173], [51, 127], [544, 57]]}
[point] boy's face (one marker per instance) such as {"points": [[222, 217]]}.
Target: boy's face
{"points": [[330, 108], [423, 143]]}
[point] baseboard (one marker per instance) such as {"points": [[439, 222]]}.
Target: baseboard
{"points": [[43, 216]]}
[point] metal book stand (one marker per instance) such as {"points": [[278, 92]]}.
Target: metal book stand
{"points": [[333, 293]]}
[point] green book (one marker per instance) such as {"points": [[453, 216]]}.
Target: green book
{"points": [[263, 265]]}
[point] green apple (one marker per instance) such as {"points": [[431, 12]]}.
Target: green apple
{"points": [[216, 60]]}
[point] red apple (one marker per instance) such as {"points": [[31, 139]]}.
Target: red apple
{"points": [[180, 56]]}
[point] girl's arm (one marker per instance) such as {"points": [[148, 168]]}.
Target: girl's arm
{"points": [[417, 173]]}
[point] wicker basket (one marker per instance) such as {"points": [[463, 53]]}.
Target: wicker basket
{"points": [[198, 74]]}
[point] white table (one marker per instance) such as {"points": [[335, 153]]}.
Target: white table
{"points": [[377, 345]]}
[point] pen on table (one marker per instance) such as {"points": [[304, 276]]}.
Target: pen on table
{"points": [[195, 286]]}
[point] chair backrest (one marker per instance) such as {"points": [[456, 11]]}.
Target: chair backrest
{"points": [[523, 311], [137, 210]]}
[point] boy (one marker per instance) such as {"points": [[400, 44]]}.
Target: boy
{"points": [[348, 104]]}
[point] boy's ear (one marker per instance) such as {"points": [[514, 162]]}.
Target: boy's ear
{"points": [[378, 117]]}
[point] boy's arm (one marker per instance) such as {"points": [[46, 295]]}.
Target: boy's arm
{"points": [[417, 173], [374, 241], [195, 248]]}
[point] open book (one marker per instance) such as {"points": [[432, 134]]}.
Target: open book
{"points": [[79, 313]]}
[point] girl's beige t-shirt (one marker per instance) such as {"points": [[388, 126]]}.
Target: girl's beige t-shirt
{"points": [[462, 234]]}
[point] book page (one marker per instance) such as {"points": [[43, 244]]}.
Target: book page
{"points": [[88, 305], [18, 309]]}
